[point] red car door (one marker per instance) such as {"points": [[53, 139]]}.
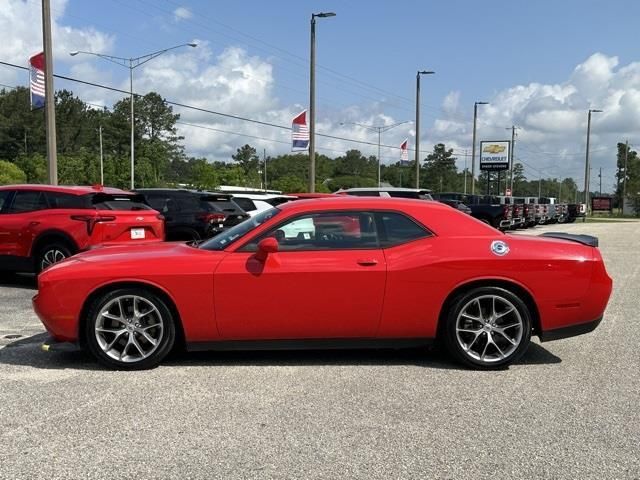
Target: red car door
{"points": [[317, 285], [18, 221]]}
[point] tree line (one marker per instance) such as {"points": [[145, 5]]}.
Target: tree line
{"points": [[161, 159]]}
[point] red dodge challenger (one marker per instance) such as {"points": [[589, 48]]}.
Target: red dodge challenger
{"points": [[329, 273]]}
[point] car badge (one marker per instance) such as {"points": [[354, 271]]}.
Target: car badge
{"points": [[500, 248], [139, 219]]}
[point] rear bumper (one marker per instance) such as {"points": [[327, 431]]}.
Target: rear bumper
{"points": [[570, 331]]}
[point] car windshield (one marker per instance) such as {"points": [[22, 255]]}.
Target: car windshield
{"points": [[226, 238]]}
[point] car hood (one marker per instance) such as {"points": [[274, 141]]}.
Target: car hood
{"points": [[160, 250]]}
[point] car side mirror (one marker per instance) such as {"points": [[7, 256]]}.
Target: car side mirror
{"points": [[265, 247]]}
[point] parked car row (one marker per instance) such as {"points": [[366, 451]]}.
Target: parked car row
{"points": [[510, 213]]}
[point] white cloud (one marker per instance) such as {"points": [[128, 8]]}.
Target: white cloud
{"points": [[553, 118], [182, 13], [20, 24]]}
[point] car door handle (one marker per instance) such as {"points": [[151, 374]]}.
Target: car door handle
{"points": [[367, 262]]}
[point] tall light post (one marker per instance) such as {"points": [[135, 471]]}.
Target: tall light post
{"points": [[312, 100], [418, 74], [586, 163], [132, 63], [380, 129], [473, 146]]}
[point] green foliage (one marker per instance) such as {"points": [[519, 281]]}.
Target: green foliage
{"points": [[10, 173], [289, 184]]}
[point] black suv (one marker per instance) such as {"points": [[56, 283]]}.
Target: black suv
{"points": [[191, 214]]}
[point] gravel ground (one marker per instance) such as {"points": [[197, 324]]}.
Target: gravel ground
{"points": [[569, 409]]}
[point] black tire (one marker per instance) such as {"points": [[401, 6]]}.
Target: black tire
{"points": [[51, 253], [132, 358], [495, 343]]}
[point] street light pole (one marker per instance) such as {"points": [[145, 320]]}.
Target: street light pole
{"points": [[132, 63], [312, 100], [473, 146], [586, 163], [420, 72]]}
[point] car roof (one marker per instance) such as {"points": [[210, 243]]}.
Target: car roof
{"points": [[305, 195], [345, 202], [73, 190], [384, 189]]}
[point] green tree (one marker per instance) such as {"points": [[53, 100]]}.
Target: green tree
{"points": [[11, 174], [440, 172]]}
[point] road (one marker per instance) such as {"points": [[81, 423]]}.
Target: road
{"points": [[569, 409]]}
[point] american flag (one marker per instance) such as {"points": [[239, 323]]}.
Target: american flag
{"points": [[404, 151], [36, 83], [300, 132]]}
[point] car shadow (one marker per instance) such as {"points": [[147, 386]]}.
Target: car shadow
{"points": [[19, 280], [27, 352]]}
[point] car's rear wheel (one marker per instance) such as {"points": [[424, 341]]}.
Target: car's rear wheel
{"points": [[488, 328], [130, 329], [51, 254]]}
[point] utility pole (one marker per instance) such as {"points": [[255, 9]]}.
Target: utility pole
{"points": [[465, 172], [600, 177], [624, 181], [101, 158], [420, 72], [473, 147], [539, 186], [264, 164], [587, 167], [50, 106]]}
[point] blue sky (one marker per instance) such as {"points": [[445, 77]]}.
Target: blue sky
{"points": [[521, 56]]}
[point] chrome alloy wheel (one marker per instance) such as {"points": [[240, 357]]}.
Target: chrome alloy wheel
{"points": [[489, 328], [129, 328], [50, 257]]}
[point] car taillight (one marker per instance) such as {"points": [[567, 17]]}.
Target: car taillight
{"points": [[212, 217], [507, 211], [91, 220]]}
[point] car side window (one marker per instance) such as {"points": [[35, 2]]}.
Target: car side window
{"points": [[28, 201], [398, 229], [323, 231], [4, 200], [65, 200]]}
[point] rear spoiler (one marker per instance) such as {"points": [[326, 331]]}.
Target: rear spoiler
{"points": [[583, 239]]}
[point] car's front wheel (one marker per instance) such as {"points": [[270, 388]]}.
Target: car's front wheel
{"points": [[487, 328], [129, 329]]}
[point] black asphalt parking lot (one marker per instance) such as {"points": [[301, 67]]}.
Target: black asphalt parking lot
{"points": [[569, 409]]}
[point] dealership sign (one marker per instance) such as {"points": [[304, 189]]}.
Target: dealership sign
{"points": [[495, 155]]}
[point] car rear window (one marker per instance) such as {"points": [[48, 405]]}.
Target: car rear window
{"points": [[400, 229], [222, 204], [401, 194], [105, 201], [245, 204]]}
